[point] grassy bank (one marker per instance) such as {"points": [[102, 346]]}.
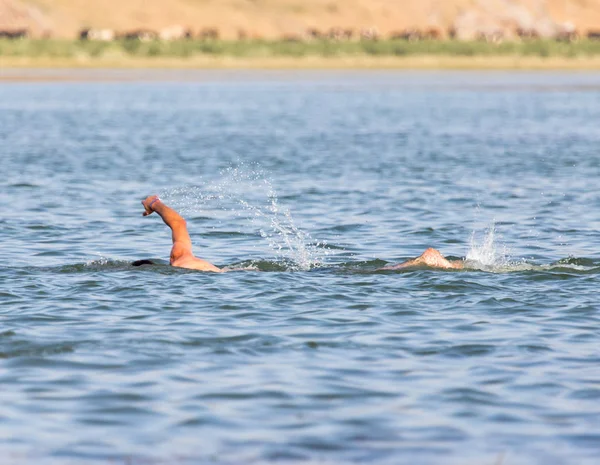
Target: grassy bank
{"points": [[316, 54]]}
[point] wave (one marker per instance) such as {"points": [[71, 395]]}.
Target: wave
{"points": [[158, 265], [571, 265], [515, 267]]}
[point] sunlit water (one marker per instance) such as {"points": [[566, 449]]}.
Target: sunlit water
{"points": [[309, 183]]}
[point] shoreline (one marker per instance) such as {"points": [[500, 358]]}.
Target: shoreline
{"points": [[354, 62]]}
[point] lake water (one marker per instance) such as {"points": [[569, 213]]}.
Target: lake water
{"points": [[311, 181]]}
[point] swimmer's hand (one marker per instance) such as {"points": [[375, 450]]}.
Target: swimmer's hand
{"points": [[149, 203]]}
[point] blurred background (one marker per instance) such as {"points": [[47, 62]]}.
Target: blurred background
{"points": [[300, 19]]}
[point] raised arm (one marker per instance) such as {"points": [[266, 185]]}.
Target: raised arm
{"points": [[181, 253]]}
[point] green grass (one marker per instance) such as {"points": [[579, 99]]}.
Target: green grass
{"points": [[54, 48]]}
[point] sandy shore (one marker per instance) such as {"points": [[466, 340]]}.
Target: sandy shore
{"points": [[9, 66]]}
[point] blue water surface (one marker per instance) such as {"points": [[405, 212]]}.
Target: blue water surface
{"points": [[309, 182]]}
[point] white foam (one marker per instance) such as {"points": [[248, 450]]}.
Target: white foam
{"points": [[487, 253]]}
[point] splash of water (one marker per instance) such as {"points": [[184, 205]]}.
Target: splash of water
{"points": [[245, 192], [486, 252]]}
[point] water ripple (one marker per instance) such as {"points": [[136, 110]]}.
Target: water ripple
{"points": [[306, 352]]}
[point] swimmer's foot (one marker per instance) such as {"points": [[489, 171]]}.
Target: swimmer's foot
{"points": [[433, 258], [148, 203]]}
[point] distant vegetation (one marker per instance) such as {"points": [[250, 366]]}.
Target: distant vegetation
{"points": [[55, 48]]}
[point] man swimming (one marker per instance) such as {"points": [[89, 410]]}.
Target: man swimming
{"points": [[182, 256], [181, 252]]}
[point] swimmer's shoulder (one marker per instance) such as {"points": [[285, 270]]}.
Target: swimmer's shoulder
{"points": [[194, 263]]}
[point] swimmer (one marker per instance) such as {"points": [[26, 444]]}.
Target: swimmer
{"points": [[431, 258], [181, 252], [182, 256]]}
